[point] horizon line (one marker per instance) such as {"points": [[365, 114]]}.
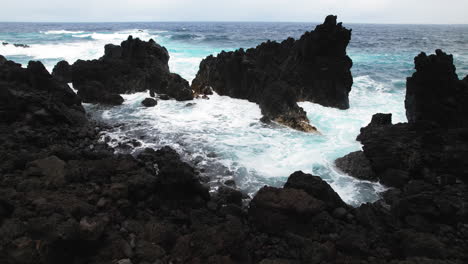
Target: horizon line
{"points": [[232, 21]]}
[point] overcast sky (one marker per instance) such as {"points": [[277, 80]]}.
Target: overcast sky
{"points": [[365, 11]]}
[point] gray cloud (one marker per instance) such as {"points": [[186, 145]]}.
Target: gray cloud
{"points": [[366, 11]]}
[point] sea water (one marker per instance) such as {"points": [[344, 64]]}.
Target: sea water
{"points": [[223, 137]]}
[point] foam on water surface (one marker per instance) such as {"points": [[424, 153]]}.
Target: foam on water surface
{"points": [[227, 135]]}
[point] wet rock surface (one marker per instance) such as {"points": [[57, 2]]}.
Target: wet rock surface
{"points": [[134, 66], [277, 75]]}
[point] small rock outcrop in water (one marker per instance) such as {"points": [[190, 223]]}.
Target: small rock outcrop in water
{"points": [[275, 75], [134, 66], [16, 45], [149, 102]]}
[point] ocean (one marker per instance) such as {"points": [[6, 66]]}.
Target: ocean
{"points": [[223, 137]]}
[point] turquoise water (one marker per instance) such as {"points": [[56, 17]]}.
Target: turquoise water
{"points": [[224, 135]]}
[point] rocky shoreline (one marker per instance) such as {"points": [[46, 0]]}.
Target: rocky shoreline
{"points": [[66, 197]]}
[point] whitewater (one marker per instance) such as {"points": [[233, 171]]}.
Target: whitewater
{"points": [[223, 137]]}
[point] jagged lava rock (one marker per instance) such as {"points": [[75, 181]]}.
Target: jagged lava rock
{"points": [[34, 95], [433, 144], [434, 93], [62, 71], [277, 75], [134, 66]]}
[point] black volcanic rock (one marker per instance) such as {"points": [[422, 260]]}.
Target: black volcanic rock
{"points": [[276, 210], [316, 187], [94, 92], [62, 71], [19, 45], [434, 93], [357, 165], [134, 66], [33, 95], [277, 75], [149, 102], [425, 160], [433, 145]]}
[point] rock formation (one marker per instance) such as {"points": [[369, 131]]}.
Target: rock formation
{"points": [[434, 93], [275, 75], [33, 95], [432, 145], [134, 66], [424, 160]]}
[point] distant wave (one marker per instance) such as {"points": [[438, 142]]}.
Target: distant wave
{"points": [[214, 38], [202, 38], [185, 37], [58, 32], [120, 35]]}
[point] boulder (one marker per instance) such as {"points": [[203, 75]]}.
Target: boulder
{"points": [[275, 210], [227, 195], [277, 75], [357, 165], [176, 179], [149, 102], [315, 187]]}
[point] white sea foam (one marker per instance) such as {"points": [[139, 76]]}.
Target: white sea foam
{"points": [[50, 53], [255, 154], [186, 66], [58, 32]]}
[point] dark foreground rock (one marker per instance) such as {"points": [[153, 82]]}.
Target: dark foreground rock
{"points": [[134, 66], [275, 75]]}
